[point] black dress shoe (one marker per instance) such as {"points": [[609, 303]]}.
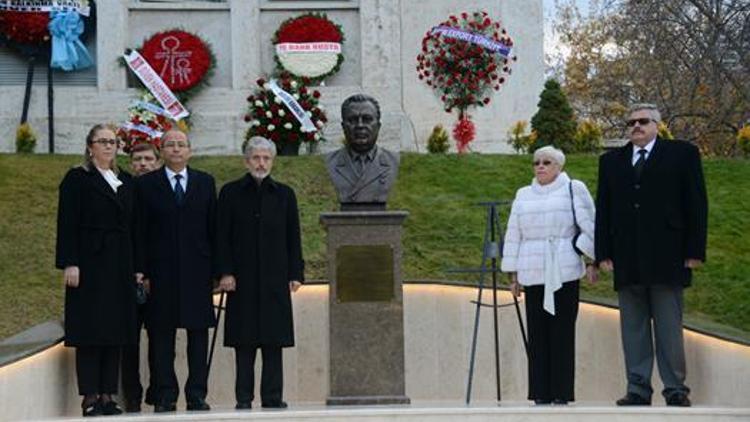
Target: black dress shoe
{"points": [[110, 408], [165, 407], [678, 399], [539, 402], [560, 402], [132, 406], [92, 409], [198, 404], [632, 399], [274, 404], [243, 405]]}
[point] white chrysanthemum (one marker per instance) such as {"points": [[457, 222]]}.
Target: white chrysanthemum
{"points": [[270, 127], [277, 100], [282, 113], [258, 103], [255, 123], [266, 86], [293, 84], [316, 136], [269, 114], [319, 124], [287, 126], [296, 96]]}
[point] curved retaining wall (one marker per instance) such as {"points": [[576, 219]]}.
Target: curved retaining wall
{"points": [[438, 330]]}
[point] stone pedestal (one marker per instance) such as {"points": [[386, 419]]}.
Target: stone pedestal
{"points": [[366, 312]]}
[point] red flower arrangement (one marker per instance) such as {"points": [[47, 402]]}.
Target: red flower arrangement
{"points": [[25, 27], [309, 46], [183, 60], [146, 124], [463, 59], [270, 118]]}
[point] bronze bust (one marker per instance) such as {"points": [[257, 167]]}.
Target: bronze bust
{"points": [[362, 172]]}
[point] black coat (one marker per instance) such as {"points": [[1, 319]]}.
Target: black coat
{"points": [[648, 228], [94, 234], [174, 249], [259, 243]]}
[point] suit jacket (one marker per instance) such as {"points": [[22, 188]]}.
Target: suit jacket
{"points": [[94, 234], [174, 249], [648, 227], [372, 186], [259, 243]]}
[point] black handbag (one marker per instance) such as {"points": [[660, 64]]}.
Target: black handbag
{"points": [[575, 220]]}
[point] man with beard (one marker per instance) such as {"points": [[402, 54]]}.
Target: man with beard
{"points": [[362, 173], [259, 254], [651, 219]]}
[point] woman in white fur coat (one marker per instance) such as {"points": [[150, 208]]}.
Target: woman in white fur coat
{"points": [[539, 255]]}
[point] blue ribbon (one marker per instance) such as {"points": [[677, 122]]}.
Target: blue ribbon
{"points": [[68, 52]]}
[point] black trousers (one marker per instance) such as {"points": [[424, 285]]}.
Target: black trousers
{"points": [[131, 363], [552, 343], [272, 375], [97, 369], [196, 386]]}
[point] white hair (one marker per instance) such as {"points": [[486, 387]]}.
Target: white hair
{"points": [[550, 152], [258, 142], [651, 108]]}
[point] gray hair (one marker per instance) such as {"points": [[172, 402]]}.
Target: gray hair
{"points": [[552, 153], [651, 108], [258, 142]]}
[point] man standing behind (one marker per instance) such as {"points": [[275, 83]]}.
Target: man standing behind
{"points": [[175, 233], [259, 255], [144, 158], [651, 230]]}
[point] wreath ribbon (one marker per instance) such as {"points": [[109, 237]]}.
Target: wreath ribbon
{"points": [[292, 105], [68, 52], [473, 38], [153, 133]]}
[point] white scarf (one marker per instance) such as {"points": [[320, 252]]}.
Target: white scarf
{"points": [[111, 178]]}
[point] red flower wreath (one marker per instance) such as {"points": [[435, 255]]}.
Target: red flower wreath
{"points": [[183, 60], [25, 27], [309, 46], [463, 59]]}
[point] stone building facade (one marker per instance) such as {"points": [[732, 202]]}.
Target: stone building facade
{"points": [[383, 38]]}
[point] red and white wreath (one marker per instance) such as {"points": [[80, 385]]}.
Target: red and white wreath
{"points": [[309, 46]]}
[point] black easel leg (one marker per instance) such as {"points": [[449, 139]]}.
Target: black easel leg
{"points": [[27, 93], [50, 110]]}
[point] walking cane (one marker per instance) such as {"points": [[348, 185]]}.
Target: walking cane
{"points": [[216, 330]]}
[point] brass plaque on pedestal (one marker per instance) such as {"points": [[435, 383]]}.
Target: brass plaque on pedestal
{"points": [[364, 273]]}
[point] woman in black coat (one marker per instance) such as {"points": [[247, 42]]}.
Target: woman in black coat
{"points": [[95, 251]]}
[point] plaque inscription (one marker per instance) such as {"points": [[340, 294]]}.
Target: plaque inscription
{"points": [[364, 273]]}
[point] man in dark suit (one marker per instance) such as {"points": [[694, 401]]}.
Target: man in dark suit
{"points": [[259, 254], [651, 223], [175, 233], [362, 173]]}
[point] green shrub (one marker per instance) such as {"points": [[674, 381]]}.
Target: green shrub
{"points": [[554, 122], [438, 142], [588, 137], [25, 139], [519, 139], [664, 132], [743, 140]]}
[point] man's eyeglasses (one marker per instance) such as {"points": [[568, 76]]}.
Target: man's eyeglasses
{"points": [[546, 163], [643, 121], [103, 141]]}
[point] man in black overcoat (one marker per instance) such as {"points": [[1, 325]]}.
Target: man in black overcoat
{"points": [[259, 255], [175, 225], [651, 219]]}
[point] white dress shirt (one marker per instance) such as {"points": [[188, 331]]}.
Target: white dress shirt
{"points": [[173, 180], [649, 146]]}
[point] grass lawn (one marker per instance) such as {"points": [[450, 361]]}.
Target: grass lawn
{"points": [[443, 230]]}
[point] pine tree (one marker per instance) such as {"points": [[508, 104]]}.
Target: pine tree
{"points": [[554, 122]]}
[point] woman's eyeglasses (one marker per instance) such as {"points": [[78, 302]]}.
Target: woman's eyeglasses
{"points": [[103, 141], [546, 163], [643, 121]]}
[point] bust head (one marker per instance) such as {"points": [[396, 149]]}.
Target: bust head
{"points": [[360, 119]]}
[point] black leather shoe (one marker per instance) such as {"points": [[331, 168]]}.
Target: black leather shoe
{"points": [[632, 399], [198, 404], [678, 399], [540, 402], [132, 406], [91, 409], [274, 404], [243, 405], [560, 402], [163, 407], [110, 408]]}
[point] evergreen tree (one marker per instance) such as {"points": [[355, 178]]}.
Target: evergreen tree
{"points": [[554, 122]]}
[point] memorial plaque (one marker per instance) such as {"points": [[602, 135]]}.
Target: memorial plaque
{"points": [[364, 273]]}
